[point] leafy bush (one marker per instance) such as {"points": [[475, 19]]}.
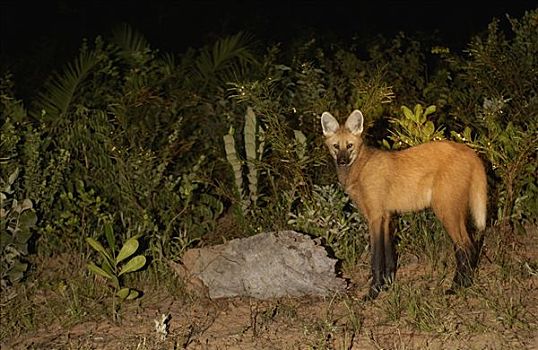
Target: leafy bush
{"points": [[511, 151], [128, 132], [414, 128], [116, 135], [16, 222], [114, 265], [500, 104], [330, 215]]}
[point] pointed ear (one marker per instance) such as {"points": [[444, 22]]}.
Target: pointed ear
{"points": [[329, 124], [354, 122]]}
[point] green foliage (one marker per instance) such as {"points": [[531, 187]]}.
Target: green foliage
{"points": [[422, 232], [233, 159], [500, 103], [125, 130], [226, 60], [131, 42], [511, 151], [78, 212], [502, 67], [402, 61], [62, 88], [114, 264], [17, 219], [253, 152], [108, 139], [414, 128], [329, 214]]}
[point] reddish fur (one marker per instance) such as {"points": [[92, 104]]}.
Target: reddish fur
{"points": [[448, 177], [443, 175]]}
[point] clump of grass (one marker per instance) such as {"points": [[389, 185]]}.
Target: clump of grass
{"points": [[61, 293], [508, 298], [419, 307], [339, 325]]}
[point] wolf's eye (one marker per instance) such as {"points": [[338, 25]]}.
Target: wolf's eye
{"points": [[336, 146], [349, 146]]}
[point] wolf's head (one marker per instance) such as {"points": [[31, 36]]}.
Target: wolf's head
{"points": [[344, 142]]}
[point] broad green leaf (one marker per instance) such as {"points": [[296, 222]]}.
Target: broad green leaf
{"points": [[455, 135], [419, 117], [115, 282], [299, 137], [431, 109], [127, 294], [408, 113], [5, 240], [134, 264], [99, 248], [80, 186], [133, 294], [99, 271], [109, 234], [429, 128], [28, 219], [107, 266], [128, 249], [23, 235], [123, 293]]}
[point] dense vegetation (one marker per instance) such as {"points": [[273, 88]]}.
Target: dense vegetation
{"points": [[224, 141]]}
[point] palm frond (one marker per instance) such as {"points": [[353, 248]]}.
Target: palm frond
{"points": [[59, 92], [168, 63], [226, 57], [129, 39]]}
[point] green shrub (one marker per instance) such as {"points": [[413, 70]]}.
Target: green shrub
{"points": [[17, 219], [414, 128], [126, 131], [499, 101], [116, 134], [329, 214], [114, 265]]}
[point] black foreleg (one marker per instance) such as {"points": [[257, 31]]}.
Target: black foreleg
{"points": [[384, 258], [390, 255], [377, 262]]}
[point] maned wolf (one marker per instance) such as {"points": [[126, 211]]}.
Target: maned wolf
{"points": [[445, 176]]}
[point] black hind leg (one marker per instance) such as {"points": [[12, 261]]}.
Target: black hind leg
{"points": [[391, 262], [466, 262]]}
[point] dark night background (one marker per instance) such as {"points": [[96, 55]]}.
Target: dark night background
{"points": [[43, 36]]}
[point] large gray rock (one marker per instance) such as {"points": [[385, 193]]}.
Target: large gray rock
{"points": [[267, 265]]}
